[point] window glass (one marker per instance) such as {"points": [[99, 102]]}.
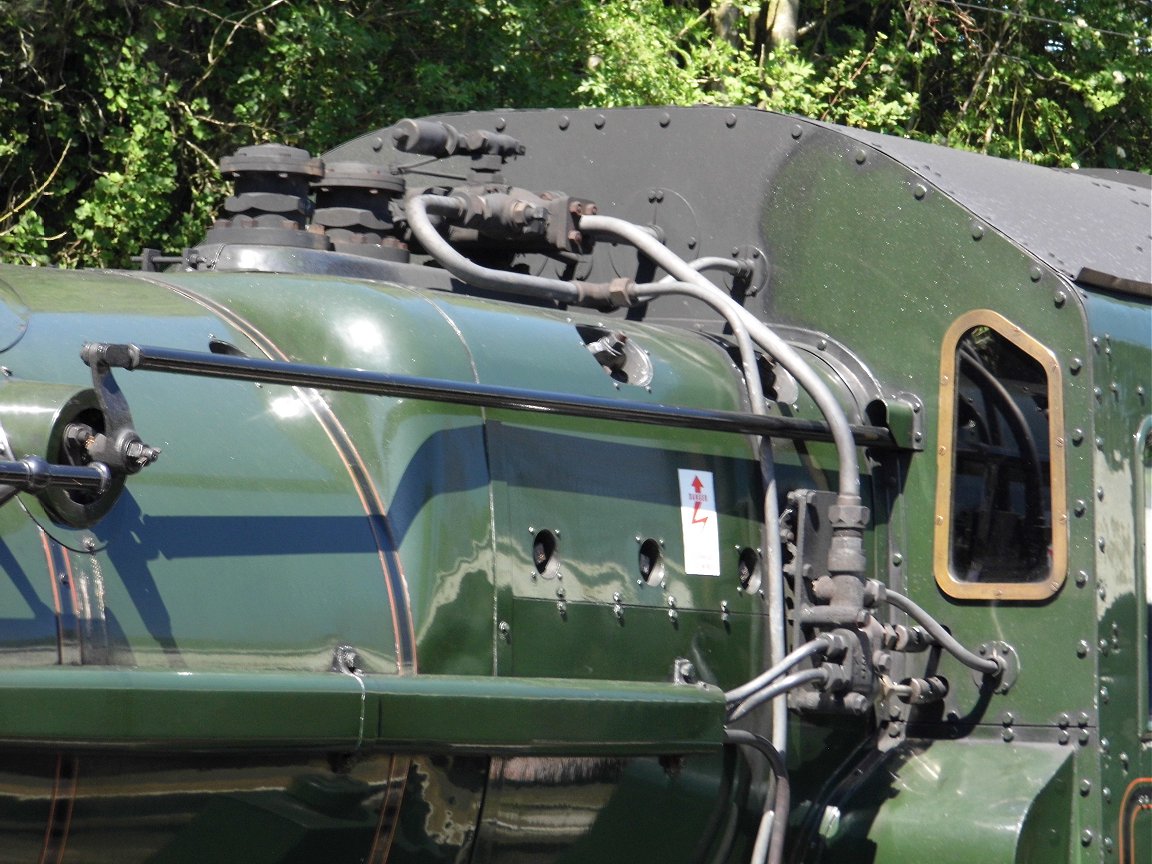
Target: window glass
{"points": [[1001, 493]]}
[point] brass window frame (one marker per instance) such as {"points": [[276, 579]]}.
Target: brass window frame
{"points": [[1029, 591]]}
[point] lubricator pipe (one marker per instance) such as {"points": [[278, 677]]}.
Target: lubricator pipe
{"points": [[418, 209], [817, 646], [942, 637], [770, 851], [761, 334], [788, 682]]}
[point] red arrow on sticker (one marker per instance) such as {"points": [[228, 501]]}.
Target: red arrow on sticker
{"points": [[697, 485]]}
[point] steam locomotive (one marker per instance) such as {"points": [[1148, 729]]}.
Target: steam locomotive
{"points": [[645, 485]]}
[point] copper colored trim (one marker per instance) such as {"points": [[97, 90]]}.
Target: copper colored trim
{"points": [[953, 587]]}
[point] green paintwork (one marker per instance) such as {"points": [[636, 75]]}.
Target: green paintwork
{"points": [[166, 674], [432, 713]]}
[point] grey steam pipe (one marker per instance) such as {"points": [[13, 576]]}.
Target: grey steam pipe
{"points": [[417, 209], [761, 334], [942, 637]]}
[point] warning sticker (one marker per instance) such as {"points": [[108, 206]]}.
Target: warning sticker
{"points": [[698, 523]]}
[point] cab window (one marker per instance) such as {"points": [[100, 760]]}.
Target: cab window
{"points": [[1000, 464]]}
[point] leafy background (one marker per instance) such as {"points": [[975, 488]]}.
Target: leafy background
{"points": [[114, 113]]}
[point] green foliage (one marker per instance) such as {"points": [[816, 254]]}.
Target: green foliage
{"points": [[114, 113]]}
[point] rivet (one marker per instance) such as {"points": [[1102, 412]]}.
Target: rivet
{"points": [[861, 157], [1108, 844], [1103, 646], [562, 608], [1105, 697], [1081, 648], [659, 195], [692, 242], [1085, 787], [1063, 721], [1059, 299], [618, 611], [730, 120], [1081, 507], [1106, 793], [672, 615], [1105, 744], [1124, 761], [1008, 734], [1084, 736], [1098, 393], [665, 119], [797, 131], [1007, 719], [897, 560], [563, 122], [1081, 578], [1034, 274], [615, 596], [977, 230], [1064, 737], [560, 591], [377, 143], [1076, 365], [500, 124], [504, 629], [1099, 443], [1140, 392], [1077, 436], [822, 344], [919, 191], [1100, 543], [1082, 720], [599, 121]]}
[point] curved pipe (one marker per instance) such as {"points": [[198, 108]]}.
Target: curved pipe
{"points": [[788, 682], [761, 334], [817, 646], [417, 209], [941, 636], [774, 851]]}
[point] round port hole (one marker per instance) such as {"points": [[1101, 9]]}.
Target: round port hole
{"points": [[651, 562]]}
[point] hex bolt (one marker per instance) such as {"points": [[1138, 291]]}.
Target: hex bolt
{"points": [[505, 630], [1086, 837], [672, 616]]}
